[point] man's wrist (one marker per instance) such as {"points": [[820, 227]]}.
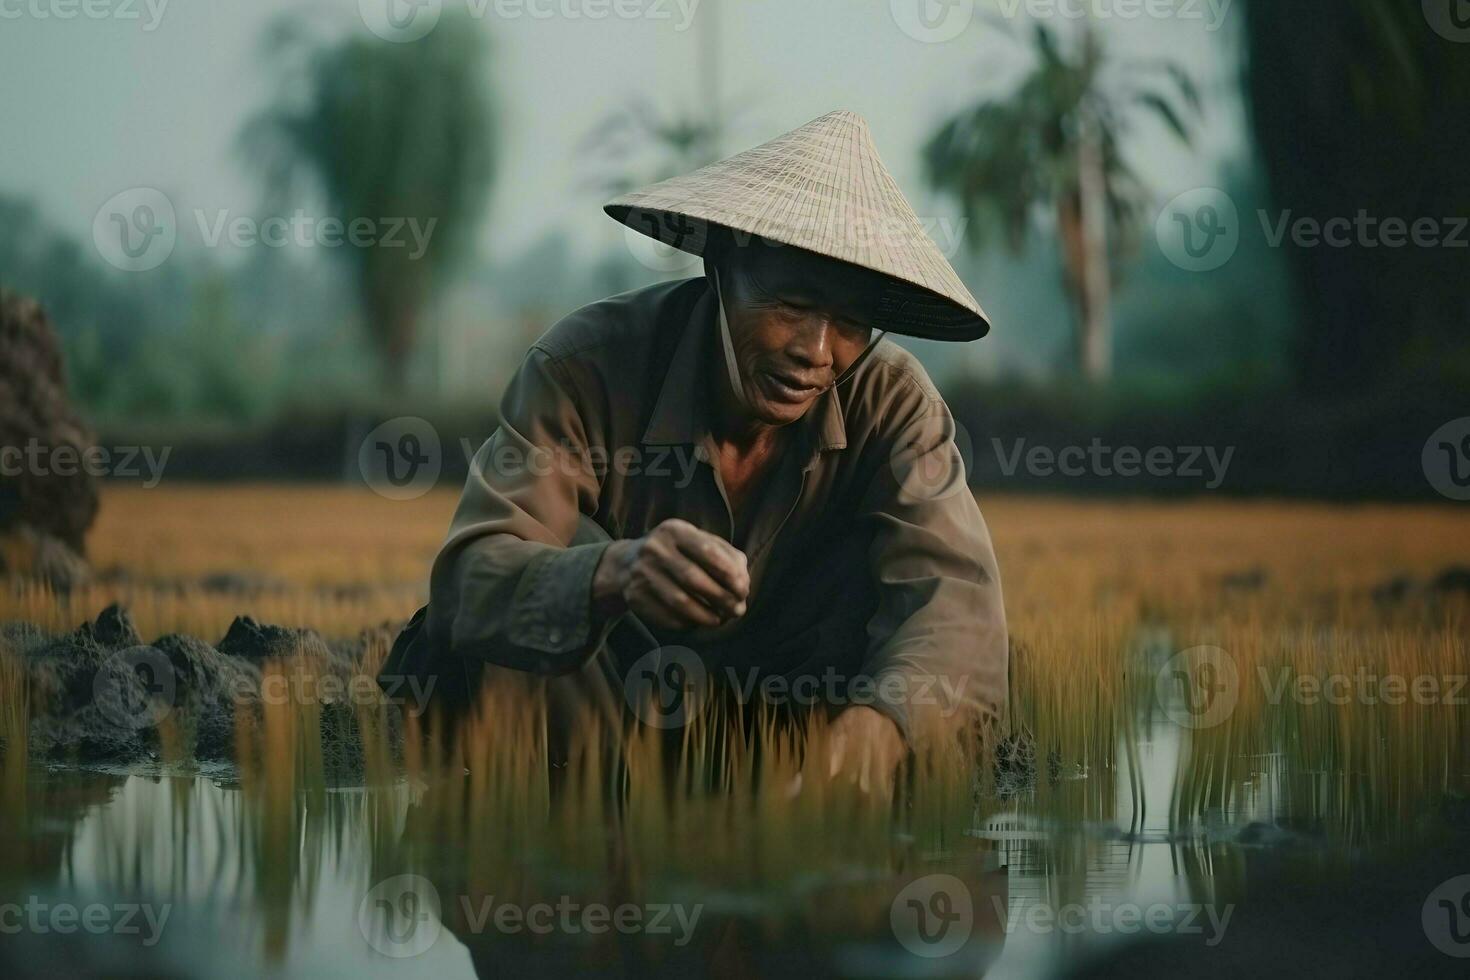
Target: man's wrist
{"points": [[608, 580]]}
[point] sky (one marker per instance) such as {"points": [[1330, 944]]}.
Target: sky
{"points": [[106, 95]]}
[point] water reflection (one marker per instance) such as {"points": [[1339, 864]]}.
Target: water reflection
{"points": [[501, 870]]}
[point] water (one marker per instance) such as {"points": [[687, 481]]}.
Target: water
{"points": [[1274, 848]]}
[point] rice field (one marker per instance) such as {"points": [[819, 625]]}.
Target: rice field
{"points": [[1193, 679]]}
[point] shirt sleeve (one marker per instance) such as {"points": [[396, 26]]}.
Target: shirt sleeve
{"points": [[938, 648], [508, 587]]}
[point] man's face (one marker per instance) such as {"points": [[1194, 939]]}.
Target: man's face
{"points": [[797, 321]]}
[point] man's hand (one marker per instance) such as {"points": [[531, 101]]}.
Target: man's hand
{"points": [[863, 749], [675, 577]]}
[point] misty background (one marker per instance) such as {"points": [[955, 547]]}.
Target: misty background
{"points": [[257, 360]]}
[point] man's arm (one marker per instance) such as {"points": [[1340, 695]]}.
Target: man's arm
{"points": [[509, 588], [506, 588], [938, 644]]}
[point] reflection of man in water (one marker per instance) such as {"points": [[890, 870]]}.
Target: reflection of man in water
{"points": [[524, 918], [737, 472]]}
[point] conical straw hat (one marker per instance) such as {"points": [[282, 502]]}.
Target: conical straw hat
{"points": [[822, 188]]}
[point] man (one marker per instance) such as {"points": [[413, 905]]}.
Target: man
{"points": [[735, 475]]}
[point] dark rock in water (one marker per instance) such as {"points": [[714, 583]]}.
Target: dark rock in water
{"points": [[1455, 578], [56, 502], [254, 641]]}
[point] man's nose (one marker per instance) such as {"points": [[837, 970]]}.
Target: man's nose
{"points": [[812, 344]]}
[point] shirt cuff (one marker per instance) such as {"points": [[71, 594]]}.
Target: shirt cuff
{"points": [[552, 605]]}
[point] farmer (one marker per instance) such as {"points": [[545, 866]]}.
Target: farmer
{"points": [[735, 475]]}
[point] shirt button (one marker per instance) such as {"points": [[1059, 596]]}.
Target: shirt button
{"points": [[554, 636]]}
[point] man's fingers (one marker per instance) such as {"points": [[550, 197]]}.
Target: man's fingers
{"points": [[680, 609], [696, 581], [718, 557]]}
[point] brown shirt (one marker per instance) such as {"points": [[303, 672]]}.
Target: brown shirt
{"points": [[607, 419]]}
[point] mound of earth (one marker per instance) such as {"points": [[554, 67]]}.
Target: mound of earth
{"points": [[102, 694], [48, 499]]}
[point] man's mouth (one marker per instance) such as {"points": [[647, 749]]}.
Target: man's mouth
{"points": [[784, 387]]}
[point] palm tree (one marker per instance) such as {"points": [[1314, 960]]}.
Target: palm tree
{"points": [[386, 132], [1055, 144]]}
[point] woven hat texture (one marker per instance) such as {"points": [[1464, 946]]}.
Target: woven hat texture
{"points": [[821, 187]]}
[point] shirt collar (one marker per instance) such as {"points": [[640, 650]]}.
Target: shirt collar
{"points": [[681, 412]]}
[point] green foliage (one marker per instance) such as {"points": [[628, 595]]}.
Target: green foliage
{"points": [[1055, 144], [1004, 160], [385, 132]]}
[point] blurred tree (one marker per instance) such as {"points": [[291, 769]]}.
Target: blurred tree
{"points": [[1359, 110], [387, 132], [1055, 144]]}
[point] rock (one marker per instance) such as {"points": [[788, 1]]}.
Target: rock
{"points": [[114, 628], [91, 703], [214, 686], [50, 492], [98, 694], [101, 694], [255, 642]]}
